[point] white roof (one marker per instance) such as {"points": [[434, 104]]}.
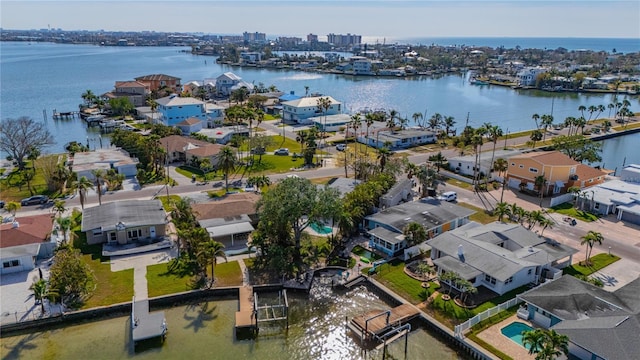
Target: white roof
{"points": [[309, 101], [230, 229], [174, 100]]}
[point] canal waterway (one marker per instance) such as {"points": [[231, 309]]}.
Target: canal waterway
{"points": [[205, 331], [39, 77]]}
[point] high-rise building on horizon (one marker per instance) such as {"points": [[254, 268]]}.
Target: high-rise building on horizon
{"points": [[254, 37], [344, 40], [312, 38]]}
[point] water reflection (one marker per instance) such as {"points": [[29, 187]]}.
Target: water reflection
{"points": [[205, 330]]}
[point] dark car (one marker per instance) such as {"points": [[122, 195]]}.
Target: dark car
{"points": [[1, 204], [37, 199]]}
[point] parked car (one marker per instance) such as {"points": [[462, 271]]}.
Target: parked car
{"points": [[341, 147], [37, 199], [281, 151], [1, 204], [257, 151], [449, 196]]}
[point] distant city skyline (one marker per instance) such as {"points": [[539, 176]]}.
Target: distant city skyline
{"points": [[371, 19]]}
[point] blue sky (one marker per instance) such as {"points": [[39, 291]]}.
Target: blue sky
{"points": [[371, 19]]}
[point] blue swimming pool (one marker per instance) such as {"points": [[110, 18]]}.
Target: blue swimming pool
{"points": [[321, 229], [514, 332]]}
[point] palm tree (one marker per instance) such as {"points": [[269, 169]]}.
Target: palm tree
{"points": [[535, 118], [82, 186], [65, 224], [58, 207], [259, 181], [324, 104], [534, 340], [210, 251], [417, 116], [547, 120], [391, 120], [501, 165], [502, 210], [355, 123], [42, 291], [301, 137], [477, 140], [536, 136], [98, 175], [383, 156], [557, 343], [449, 123], [369, 118], [495, 132], [545, 223], [438, 159], [514, 211], [435, 121], [415, 233], [575, 191], [541, 183], [590, 239], [12, 207], [227, 163], [151, 102]]}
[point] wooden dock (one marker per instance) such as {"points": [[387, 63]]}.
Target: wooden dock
{"points": [[374, 323], [145, 325], [245, 317]]}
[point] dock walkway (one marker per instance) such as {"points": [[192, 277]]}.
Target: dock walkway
{"points": [[145, 325], [373, 323], [245, 316]]}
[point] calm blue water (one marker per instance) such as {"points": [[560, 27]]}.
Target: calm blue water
{"points": [[42, 76], [596, 44]]}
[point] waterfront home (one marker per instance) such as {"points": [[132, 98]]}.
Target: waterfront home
{"points": [[465, 164], [398, 139], [182, 148], [228, 82], [230, 220], [223, 134], [435, 216], [23, 241], [560, 172], [250, 57], [191, 88], [124, 222], [84, 163], [499, 256], [335, 122], [600, 324], [528, 76], [190, 125], [300, 110], [156, 82], [174, 109], [620, 197], [215, 114], [135, 91]]}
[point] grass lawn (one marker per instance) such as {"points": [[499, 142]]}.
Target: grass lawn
{"points": [[277, 143], [273, 164], [392, 276], [227, 273], [189, 171], [14, 187], [458, 183], [166, 202], [598, 262], [569, 210], [161, 282], [481, 215], [111, 287]]}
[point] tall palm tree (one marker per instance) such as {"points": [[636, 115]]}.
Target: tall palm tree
{"points": [[324, 104], [82, 185], [301, 137], [435, 121], [65, 224], [477, 139], [541, 184], [575, 191], [545, 223], [558, 343], [416, 116], [383, 156], [369, 119], [547, 120], [391, 120], [534, 340], [151, 102], [58, 207], [494, 132], [590, 239], [501, 165], [536, 136], [449, 123], [227, 163], [99, 177], [356, 123], [210, 251], [535, 118], [502, 210]]}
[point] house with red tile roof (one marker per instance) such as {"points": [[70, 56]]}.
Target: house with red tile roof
{"points": [[24, 240], [157, 81], [182, 148]]}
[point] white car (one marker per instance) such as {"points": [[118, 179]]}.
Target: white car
{"points": [[281, 151], [448, 196], [341, 147]]}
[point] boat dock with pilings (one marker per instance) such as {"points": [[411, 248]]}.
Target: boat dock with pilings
{"points": [[252, 313], [145, 325], [382, 327]]}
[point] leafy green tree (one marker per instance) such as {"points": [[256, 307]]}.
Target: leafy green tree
{"points": [[536, 136], [12, 207], [578, 147], [414, 233], [259, 181], [70, 276], [121, 106], [438, 159], [41, 292], [575, 191]]}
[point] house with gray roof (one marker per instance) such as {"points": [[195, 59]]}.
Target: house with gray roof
{"points": [[599, 324], [499, 256], [464, 164], [124, 222], [619, 197], [398, 139], [434, 215]]}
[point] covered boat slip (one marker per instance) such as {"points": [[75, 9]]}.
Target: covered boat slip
{"points": [[145, 325]]}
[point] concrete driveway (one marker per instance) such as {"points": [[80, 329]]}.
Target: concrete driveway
{"points": [[618, 274]]}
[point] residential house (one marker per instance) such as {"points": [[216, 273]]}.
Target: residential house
{"points": [[599, 324], [84, 163], [250, 56], [528, 76], [499, 256], [560, 172], [300, 110], [360, 65], [400, 139], [191, 88], [620, 197], [23, 241], [230, 220], [174, 109], [228, 82], [435, 216], [399, 192], [343, 185], [465, 164], [156, 82], [124, 222], [182, 148], [335, 122], [215, 114], [190, 125], [135, 91], [223, 134]]}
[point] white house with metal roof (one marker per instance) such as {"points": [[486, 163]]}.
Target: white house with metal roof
{"points": [[300, 110], [499, 256], [465, 164]]}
